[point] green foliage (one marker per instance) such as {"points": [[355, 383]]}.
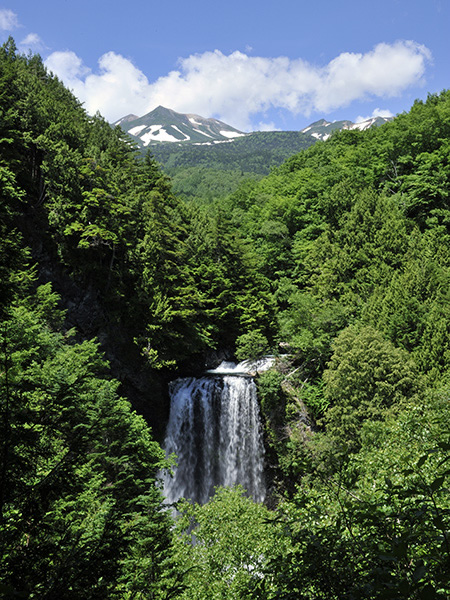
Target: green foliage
{"points": [[172, 275], [270, 391], [223, 546], [378, 527], [14, 275], [308, 326], [251, 345], [207, 173], [366, 376], [255, 153], [340, 255], [412, 307], [79, 504], [313, 395], [205, 185]]}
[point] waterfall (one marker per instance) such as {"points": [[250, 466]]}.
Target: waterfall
{"points": [[214, 429]]}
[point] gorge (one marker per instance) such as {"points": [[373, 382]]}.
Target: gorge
{"points": [[111, 286]]}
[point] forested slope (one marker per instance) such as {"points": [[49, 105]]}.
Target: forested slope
{"points": [[353, 235], [337, 262], [258, 151], [204, 172], [94, 244], [80, 510]]}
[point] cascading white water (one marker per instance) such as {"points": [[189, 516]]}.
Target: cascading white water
{"points": [[214, 429]]}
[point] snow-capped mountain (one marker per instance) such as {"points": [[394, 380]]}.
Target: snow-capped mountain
{"points": [[322, 129], [165, 125]]}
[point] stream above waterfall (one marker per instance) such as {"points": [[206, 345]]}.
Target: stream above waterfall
{"points": [[214, 429]]}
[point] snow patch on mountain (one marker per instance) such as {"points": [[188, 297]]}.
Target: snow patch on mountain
{"points": [[322, 130], [156, 133], [136, 130], [231, 134], [361, 126], [165, 125], [204, 133]]}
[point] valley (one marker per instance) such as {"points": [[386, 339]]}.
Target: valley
{"points": [[122, 304], [206, 158]]}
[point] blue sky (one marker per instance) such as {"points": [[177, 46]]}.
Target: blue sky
{"points": [[256, 64]]}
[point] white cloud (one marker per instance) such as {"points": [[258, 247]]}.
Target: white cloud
{"points": [[8, 19], [70, 69], [237, 87], [380, 112], [377, 112], [262, 126], [118, 89], [32, 42], [384, 72]]}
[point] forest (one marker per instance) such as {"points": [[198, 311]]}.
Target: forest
{"points": [[209, 172], [111, 285]]}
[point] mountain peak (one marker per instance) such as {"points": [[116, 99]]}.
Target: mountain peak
{"points": [[162, 110], [125, 119], [166, 125], [322, 129]]}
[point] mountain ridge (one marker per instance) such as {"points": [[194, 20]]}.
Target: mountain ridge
{"points": [[323, 129], [208, 158], [164, 125]]}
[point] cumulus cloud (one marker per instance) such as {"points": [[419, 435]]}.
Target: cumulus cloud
{"points": [[237, 87], [262, 126], [119, 87], [32, 42], [8, 20], [377, 112], [68, 67]]}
